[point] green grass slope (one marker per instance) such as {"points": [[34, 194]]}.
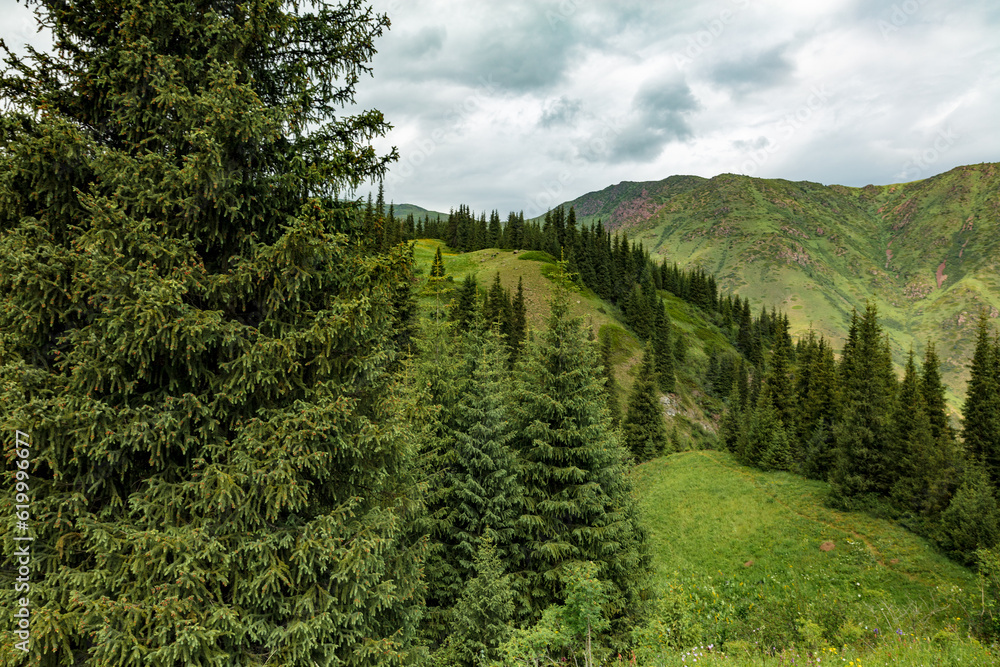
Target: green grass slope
{"points": [[926, 252], [691, 410], [750, 553]]}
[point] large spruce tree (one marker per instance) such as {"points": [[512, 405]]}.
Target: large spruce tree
{"points": [[199, 342], [981, 413], [485, 493], [578, 499], [645, 431], [864, 466]]}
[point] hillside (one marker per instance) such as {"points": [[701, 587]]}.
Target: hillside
{"points": [[926, 252], [690, 409], [757, 557], [403, 210]]}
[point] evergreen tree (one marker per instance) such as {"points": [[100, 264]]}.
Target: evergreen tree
{"points": [[437, 266], [481, 619], [972, 520], [663, 349], [912, 444], [610, 385], [767, 442], [485, 491], [680, 348], [933, 392], [819, 414], [779, 385], [198, 344], [645, 431], [519, 321], [463, 306], [578, 502], [731, 422], [864, 465], [981, 413]]}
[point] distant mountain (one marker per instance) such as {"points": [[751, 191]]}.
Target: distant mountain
{"points": [[927, 252], [402, 210]]}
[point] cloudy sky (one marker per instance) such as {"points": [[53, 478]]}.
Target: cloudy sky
{"points": [[521, 105]]}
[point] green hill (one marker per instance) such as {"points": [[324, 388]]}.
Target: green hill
{"points": [[926, 252], [690, 409], [756, 557], [402, 210]]}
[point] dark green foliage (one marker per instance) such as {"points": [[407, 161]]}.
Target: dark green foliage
{"points": [[610, 385], [912, 445], [680, 349], [644, 428], [519, 322], [779, 386], [578, 503], [778, 455], [972, 520], [864, 465], [481, 619], [934, 396], [820, 409], [198, 343], [437, 267], [662, 349], [485, 491], [766, 440], [464, 305], [981, 413]]}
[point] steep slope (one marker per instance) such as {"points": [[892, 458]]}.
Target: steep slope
{"points": [[926, 252], [690, 409]]}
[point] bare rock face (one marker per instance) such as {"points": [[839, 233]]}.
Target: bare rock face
{"points": [[670, 406]]}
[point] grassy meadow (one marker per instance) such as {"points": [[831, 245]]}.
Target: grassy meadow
{"points": [[757, 567]]}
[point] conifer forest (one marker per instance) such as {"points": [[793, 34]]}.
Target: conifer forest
{"points": [[253, 416]]}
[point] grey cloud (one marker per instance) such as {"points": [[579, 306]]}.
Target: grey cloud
{"points": [[561, 112], [425, 42], [756, 144], [750, 73], [659, 116]]}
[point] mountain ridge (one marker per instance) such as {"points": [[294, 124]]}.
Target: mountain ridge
{"points": [[926, 252]]}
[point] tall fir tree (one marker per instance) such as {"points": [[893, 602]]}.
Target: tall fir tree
{"points": [[981, 412], [912, 444], [578, 499], [944, 459], [481, 620], [484, 488], [780, 386], [972, 519], [198, 343], [645, 431], [610, 385], [519, 320], [932, 388], [662, 340], [820, 412], [464, 304], [864, 466], [437, 266]]}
